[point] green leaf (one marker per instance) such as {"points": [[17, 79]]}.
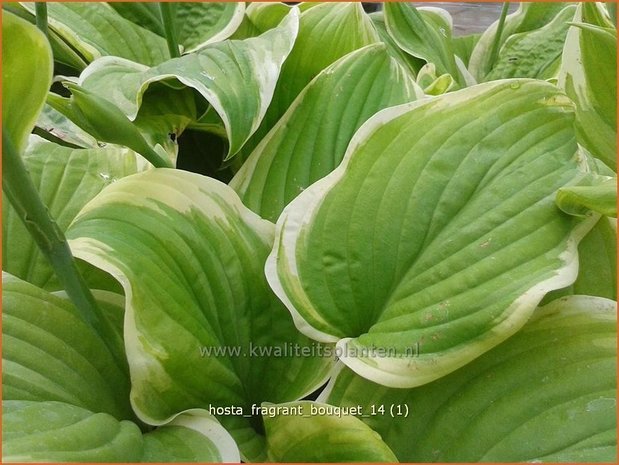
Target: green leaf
{"points": [[432, 84], [310, 436], [600, 197], [442, 235], [425, 34], [409, 62], [95, 30], [236, 77], [50, 354], [62, 52], [529, 17], [164, 115], [60, 432], [191, 437], [144, 14], [597, 255], [66, 179], [327, 32], [197, 23], [547, 394], [589, 76], [23, 94], [107, 123], [464, 45], [264, 16], [199, 313], [534, 54], [309, 141], [203, 23], [58, 125]]}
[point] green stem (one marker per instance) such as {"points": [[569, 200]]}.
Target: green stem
{"points": [[496, 45], [23, 196], [40, 9], [169, 26]]}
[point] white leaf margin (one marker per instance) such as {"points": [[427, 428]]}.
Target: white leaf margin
{"points": [[267, 76], [227, 31], [202, 422], [299, 213], [157, 187]]}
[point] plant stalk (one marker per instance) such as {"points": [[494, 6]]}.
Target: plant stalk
{"points": [[22, 193], [40, 9], [496, 45], [169, 26]]}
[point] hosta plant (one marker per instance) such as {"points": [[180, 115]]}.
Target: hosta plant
{"points": [[306, 233]]}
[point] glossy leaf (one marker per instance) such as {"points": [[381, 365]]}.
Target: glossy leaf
{"points": [[66, 180], [94, 29], [308, 436], [236, 77], [23, 94], [547, 394], [190, 257], [310, 139], [589, 76], [60, 432], [442, 240], [50, 354]]}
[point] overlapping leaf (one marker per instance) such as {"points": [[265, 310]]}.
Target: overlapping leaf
{"points": [[51, 431], [66, 399], [309, 141], [534, 54], [600, 196], [50, 354], [203, 23], [94, 29], [548, 394], [321, 437], [197, 23], [63, 53], [529, 17], [426, 34], [327, 32], [60, 432], [23, 95], [438, 235], [201, 325], [66, 180], [68, 133], [190, 437], [409, 62], [589, 76], [237, 78]]}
